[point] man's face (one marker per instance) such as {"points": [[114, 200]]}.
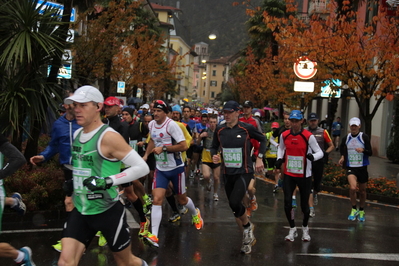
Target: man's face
{"points": [[230, 116], [313, 123], [147, 119], [176, 116], [287, 122], [159, 115], [354, 129], [212, 123], [247, 110], [197, 113], [151, 107], [126, 116], [296, 123], [111, 110], [186, 113], [192, 112], [204, 120], [86, 113], [69, 109]]}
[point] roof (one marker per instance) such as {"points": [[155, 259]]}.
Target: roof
{"points": [[160, 7]]}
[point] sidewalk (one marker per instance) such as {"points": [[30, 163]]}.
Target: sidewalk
{"points": [[379, 167]]}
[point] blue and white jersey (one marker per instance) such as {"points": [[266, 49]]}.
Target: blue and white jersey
{"points": [[167, 134], [356, 159]]}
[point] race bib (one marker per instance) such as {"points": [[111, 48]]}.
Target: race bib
{"points": [[295, 164], [355, 159], [133, 144], [232, 157], [273, 150], [80, 174], [162, 159]]}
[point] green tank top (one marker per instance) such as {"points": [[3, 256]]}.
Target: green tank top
{"points": [[87, 162]]}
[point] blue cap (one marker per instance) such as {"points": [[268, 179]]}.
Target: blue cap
{"points": [[231, 106], [204, 112], [296, 114], [176, 108]]}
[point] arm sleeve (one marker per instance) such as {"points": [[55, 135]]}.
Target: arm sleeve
{"points": [[15, 159], [317, 151], [138, 168], [281, 148]]}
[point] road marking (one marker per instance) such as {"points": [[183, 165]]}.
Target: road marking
{"points": [[323, 228], [366, 256]]}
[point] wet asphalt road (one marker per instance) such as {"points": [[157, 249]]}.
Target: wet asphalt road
{"points": [[335, 240]]}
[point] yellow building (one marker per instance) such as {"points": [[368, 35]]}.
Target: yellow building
{"points": [[178, 42], [213, 76]]}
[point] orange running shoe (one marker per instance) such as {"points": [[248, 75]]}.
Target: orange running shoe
{"points": [[197, 220]]}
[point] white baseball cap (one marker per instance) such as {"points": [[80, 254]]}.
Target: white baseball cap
{"points": [[85, 94], [145, 106], [354, 121]]}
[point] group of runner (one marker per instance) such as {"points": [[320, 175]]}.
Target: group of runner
{"points": [[232, 150]]}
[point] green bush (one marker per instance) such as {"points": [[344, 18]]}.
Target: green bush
{"points": [[40, 187]]}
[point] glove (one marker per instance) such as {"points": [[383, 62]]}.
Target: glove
{"points": [[278, 163], [94, 183], [310, 157], [68, 187]]}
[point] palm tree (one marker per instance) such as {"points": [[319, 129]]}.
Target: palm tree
{"points": [[27, 46]]}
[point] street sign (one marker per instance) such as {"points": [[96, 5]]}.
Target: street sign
{"points": [[138, 94], [67, 56], [64, 72], [327, 91], [70, 36], [121, 87], [304, 68], [303, 86], [55, 5]]}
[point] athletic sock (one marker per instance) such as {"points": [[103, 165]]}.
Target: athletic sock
{"points": [[156, 217]]}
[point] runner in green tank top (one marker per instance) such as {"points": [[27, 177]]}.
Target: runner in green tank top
{"points": [[97, 153]]}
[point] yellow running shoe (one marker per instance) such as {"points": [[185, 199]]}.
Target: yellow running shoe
{"points": [[197, 220], [101, 240], [151, 240], [58, 246]]}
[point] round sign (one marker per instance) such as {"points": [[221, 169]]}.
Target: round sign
{"points": [[304, 68]]}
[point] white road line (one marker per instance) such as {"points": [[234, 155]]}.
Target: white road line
{"points": [[366, 256], [322, 228]]}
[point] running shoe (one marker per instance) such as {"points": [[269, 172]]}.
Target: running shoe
{"points": [[294, 203], [248, 235], [144, 227], [275, 189], [147, 209], [209, 186], [291, 235], [249, 212], [101, 239], [315, 200], [215, 197], [174, 218], [352, 216], [254, 204], [191, 174], [58, 246], [312, 212], [246, 248], [361, 216], [20, 207], [152, 240], [197, 220], [182, 209], [27, 261], [305, 234]]}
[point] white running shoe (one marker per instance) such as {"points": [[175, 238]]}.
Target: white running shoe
{"points": [[291, 235]]}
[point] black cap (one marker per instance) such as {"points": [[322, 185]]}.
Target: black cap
{"points": [[231, 106], [248, 104], [161, 105], [313, 116]]}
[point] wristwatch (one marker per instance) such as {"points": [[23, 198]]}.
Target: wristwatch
{"points": [[260, 155], [164, 148]]}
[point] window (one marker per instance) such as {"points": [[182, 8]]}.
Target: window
{"points": [[203, 50], [203, 93], [212, 94], [214, 83], [214, 73], [197, 50]]}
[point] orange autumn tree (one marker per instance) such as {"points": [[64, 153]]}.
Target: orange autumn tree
{"points": [[121, 42], [362, 54]]}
